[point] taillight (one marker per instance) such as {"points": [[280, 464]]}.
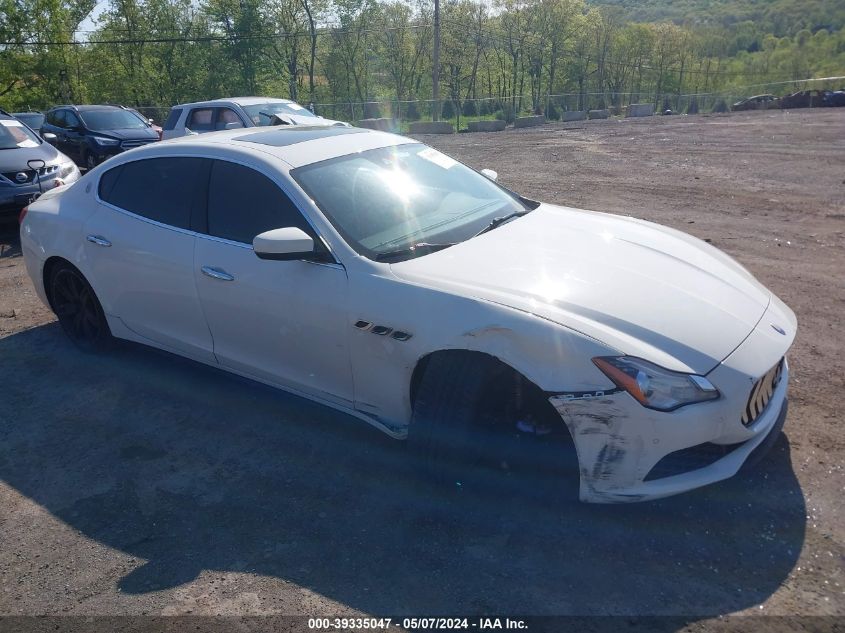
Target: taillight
{"points": [[23, 214]]}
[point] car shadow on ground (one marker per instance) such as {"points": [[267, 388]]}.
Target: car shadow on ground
{"points": [[189, 469], [10, 245]]}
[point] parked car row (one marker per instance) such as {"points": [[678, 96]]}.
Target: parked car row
{"points": [[800, 99], [87, 135]]}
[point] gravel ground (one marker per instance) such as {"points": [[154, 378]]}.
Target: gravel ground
{"points": [[139, 483]]}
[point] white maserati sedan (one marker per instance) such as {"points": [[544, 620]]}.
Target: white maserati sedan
{"points": [[380, 277]]}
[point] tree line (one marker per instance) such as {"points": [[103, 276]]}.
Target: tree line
{"points": [[361, 58]]}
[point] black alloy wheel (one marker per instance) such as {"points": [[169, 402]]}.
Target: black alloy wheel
{"points": [[78, 309]]}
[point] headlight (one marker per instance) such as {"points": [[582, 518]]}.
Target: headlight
{"points": [[653, 386], [66, 168], [102, 140]]}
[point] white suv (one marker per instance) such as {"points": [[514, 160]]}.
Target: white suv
{"points": [[224, 114]]}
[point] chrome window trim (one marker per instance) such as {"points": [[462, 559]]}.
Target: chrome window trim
{"points": [[213, 238]]}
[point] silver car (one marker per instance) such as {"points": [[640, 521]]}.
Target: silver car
{"points": [[237, 112]]}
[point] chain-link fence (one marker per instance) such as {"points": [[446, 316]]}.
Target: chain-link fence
{"points": [[460, 112], [553, 106]]}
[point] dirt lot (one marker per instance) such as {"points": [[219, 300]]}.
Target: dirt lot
{"points": [[137, 483]]}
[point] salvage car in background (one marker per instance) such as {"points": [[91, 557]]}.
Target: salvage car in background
{"points": [[90, 134], [804, 99], [25, 159], [380, 277], [758, 102], [835, 99], [236, 112]]}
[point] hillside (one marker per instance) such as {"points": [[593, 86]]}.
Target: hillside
{"points": [[781, 17]]}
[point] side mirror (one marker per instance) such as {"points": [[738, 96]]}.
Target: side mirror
{"points": [[233, 125], [285, 244], [49, 137], [489, 173]]}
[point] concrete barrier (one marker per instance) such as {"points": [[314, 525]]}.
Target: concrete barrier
{"points": [[573, 116], [529, 121], [384, 124], [599, 114], [486, 126], [640, 109], [432, 127]]}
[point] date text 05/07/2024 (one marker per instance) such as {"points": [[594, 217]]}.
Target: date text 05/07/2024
{"points": [[416, 624]]}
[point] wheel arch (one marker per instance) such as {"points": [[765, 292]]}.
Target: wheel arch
{"points": [[50, 265], [537, 397]]}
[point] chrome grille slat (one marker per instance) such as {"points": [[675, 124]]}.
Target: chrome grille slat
{"points": [[30, 174], [135, 143], [761, 394]]}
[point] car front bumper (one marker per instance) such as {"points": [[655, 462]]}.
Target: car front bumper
{"points": [[627, 452], [15, 198]]}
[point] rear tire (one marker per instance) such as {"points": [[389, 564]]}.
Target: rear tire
{"points": [[78, 309]]}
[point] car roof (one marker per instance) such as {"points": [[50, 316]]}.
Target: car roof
{"points": [[241, 101], [88, 108], [295, 145]]}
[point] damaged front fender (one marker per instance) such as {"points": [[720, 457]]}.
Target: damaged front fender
{"points": [[618, 441], [609, 455]]}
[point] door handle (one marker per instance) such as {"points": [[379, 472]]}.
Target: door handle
{"points": [[99, 240], [216, 273]]}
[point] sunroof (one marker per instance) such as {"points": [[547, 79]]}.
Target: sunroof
{"points": [[299, 134]]}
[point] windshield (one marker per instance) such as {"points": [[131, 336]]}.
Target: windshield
{"points": [[263, 114], [392, 198], [14, 134], [112, 120]]}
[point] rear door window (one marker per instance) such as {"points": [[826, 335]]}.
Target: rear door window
{"points": [[243, 203], [162, 189], [201, 120]]}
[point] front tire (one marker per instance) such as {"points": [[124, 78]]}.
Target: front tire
{"points": [[78, 309], [464, 435]]}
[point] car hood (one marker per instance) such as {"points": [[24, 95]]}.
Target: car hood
{"points": [[128, 134], [16, 159], [638, 287], [310, 120]]}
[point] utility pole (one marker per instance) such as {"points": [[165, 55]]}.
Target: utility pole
{"points": [[435, 72]]}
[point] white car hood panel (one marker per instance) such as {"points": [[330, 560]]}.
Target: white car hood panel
{"points": [[641, 288]]}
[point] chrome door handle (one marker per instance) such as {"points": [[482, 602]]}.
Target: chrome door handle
{"points": [[99, 240], [216, 273]]}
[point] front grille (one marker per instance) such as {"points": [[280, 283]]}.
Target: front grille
{"points": [[135, 143], [761, 393], [689, 459], [11, 176]]}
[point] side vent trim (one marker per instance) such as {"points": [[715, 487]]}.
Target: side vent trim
{"points": [[382, 330]]}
